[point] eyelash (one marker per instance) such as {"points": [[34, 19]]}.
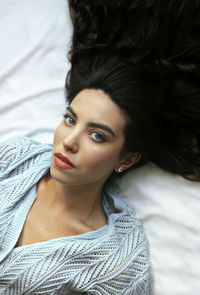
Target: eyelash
{"points": [[67, 116], [103, 137]]}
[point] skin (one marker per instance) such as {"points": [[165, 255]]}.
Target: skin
{"points": [[85, 149], [69, 201]]}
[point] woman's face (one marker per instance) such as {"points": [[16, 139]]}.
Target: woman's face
{"points": [[91, 137]]}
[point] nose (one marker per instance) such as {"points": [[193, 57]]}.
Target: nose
{"points": [[71, 141]]}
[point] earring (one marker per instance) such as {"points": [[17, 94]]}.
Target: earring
{"points": [[120, 169]]}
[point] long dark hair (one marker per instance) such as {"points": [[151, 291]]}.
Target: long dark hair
{"points": [[158, 88], [139, 30]]}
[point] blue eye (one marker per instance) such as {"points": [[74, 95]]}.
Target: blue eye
{"points": [[69, 120], [98, 136]]}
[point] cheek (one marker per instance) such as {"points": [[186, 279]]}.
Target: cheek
{"points": [[104, 158], [57, 135]]}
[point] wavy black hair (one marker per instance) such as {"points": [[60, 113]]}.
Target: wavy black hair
{"points": [[139, 30], [145, 56]]}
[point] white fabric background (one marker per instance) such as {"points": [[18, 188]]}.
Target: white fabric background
{"points": [[34, 38]]}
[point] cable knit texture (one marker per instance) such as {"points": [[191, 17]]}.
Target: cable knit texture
{"points": [[109, 261]]}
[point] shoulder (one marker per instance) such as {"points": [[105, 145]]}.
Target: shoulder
{"points": [[127, 267], [10, 146], [17, 150], [129, 258]]}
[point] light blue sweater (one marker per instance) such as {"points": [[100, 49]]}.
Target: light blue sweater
{"points": [[109, 261]]}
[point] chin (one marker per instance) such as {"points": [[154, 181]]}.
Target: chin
{"points": [[58, 175]]}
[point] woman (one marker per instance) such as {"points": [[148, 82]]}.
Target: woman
{"points": [[117, 119], [65, 227]]}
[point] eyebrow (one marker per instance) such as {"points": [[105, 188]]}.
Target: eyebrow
{"points": [[92, 124]]}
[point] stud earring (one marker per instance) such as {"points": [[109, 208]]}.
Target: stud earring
{"points": [[120, 169]]}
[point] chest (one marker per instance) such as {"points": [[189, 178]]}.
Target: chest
{"points": [[41, 226], [44, 223]]}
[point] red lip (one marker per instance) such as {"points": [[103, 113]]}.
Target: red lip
{"points": [[65, 159]]}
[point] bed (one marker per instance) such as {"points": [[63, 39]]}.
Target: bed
{"points": [[34, 41]]}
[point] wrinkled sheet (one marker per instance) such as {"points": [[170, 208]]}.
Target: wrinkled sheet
{"points": [[34, 41]]}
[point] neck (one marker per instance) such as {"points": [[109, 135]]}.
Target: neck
{"points": [[81, 202]]}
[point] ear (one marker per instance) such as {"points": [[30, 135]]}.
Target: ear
{"points": [[127, 161]]}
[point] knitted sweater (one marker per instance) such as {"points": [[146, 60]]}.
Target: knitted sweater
{"points": [[109, 261]]}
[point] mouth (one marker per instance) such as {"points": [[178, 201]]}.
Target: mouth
{"points": [[64, 159]]}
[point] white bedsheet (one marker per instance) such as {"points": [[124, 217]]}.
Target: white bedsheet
{"points": [[169, 206], [34, 38]]}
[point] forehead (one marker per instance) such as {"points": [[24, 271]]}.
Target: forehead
{"points": [[94, 105]]}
